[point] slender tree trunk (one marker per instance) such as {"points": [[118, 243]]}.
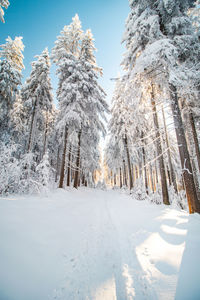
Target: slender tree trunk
{"points": [[76, 178], [192, 152], [193, 203], [83, 179], [32, 128], [140, 169], [145, 169], [151, 178], [129, 163], [124, 175], [196, 142], [169, 175], [159, 151], [120, 178], [62, 171], [45, 133], [79, 179], [172, 173], [69, 166], [156, 170], [115, 179], [57, 165]]}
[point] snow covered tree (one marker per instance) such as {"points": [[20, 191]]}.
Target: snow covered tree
{"points": [[11, 64], [38, 100], [194, 14], [162, 47], [81, 99], [10, 170], [12, 50], [5, 4], [44, 173]]}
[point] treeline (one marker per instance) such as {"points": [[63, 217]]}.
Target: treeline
{"points": [[42, 144], [153, 143]]}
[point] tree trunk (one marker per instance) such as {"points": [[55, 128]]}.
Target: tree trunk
{"points": [[69, 166], [145, 169], [57, 165], [193, 203], [76, 178], [124, 175], [129, 163], [45, 133], [115, 182], [192, 152], [33, 120], [196, 142], [62, 171], [151, 178], [83, 179], [159, 151], [120, 178], [172, 173]]}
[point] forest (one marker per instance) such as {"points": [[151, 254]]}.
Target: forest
{"points": [[55, 143], [154, 122]]}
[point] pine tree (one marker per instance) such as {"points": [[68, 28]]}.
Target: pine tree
{"points": [[81, 99], [11, 64], [160, 47], [43, 172], [38, 100]]}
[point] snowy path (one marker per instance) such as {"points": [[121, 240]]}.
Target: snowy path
{"points": [[91, 244]]}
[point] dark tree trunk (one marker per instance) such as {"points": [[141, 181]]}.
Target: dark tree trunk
{"points": [[83, 179], [115, 180], [194, 134], [45, 133], [156, 171], [76, 177], [169, 175], [151, 178], [192, 153], [193, 203], [120, 178], [57, 164], [69, 166], [145, 169], [124, 175], [129, 163], [32, 126], [172, 173], [62, 171], [159, 152]]}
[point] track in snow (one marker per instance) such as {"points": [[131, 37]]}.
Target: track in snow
{"points": [[89, 244]]}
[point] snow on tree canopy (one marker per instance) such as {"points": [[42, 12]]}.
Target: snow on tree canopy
{"points": [[5, 4]]}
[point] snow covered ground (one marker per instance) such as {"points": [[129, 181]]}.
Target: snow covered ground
{"points": [[93, 244]]}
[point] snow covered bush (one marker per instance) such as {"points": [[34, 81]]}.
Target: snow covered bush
{"points": [[44, 174], [10, 169], [139, 191]]}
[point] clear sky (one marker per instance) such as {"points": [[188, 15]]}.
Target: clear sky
{"points": [[40, 22]]}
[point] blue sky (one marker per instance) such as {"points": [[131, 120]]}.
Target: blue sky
{"points": [[40, 22]]}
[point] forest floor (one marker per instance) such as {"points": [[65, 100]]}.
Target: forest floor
{"points": [[96, 245]]}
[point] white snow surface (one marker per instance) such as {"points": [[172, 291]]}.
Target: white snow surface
{"points": [[93, 244]]}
